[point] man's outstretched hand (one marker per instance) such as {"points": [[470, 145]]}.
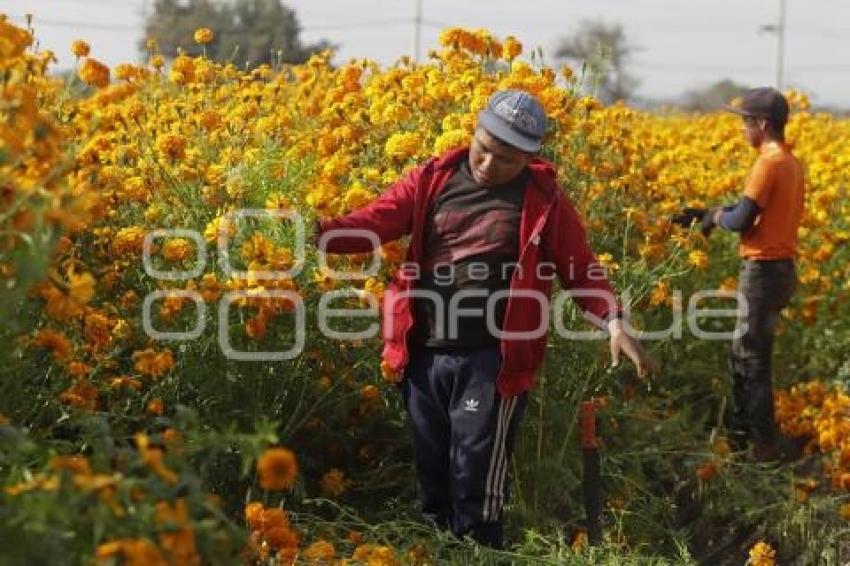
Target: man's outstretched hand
{"points": [[622, 342]]}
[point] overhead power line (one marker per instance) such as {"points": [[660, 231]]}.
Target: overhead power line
{"points": [[49, 22]]}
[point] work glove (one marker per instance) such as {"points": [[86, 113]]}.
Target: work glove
{"points": [[708, 224], [688, 216]]}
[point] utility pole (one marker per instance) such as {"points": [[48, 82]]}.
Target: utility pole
{"points": [[779, 29], [780, 51], [417, 30]]}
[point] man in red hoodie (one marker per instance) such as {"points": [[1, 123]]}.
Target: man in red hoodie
{"points": [[466, 317]]}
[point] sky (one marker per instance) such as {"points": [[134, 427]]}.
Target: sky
{"points": [[682, 44]]}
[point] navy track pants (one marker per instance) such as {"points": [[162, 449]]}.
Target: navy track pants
{"points": [[463, 433]]}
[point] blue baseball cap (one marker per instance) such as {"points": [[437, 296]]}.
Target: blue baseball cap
{"points": [[516, 118]]}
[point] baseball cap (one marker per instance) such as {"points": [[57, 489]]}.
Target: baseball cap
{"points": [[762, 102], [516, 118]]}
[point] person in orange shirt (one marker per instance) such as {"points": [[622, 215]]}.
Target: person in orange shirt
{"points": [[767, 216]]}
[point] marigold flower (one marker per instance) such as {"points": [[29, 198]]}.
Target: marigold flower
{"points": [[155, 407], [80, 48], [334, 483], [254, 515], [152, 363], [94, 73], [55, 341], [321, 550], [13, 40], [277, 468], [82, 394], [698, 259], [762, 554], [511, 48], [203, 35], [177, 249]]}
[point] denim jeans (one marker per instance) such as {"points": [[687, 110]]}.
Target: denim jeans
{"points": [[767, 286]]}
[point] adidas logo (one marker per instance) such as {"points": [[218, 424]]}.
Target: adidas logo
{"points": [[471, 405]]}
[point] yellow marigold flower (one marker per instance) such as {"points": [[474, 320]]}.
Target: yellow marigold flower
{"points": [[607, 261], [402, 145], [450, 140], [357, 196], [183, 70], [94, 73], [698, 259], [128, 241], [257, 248], [660, 294], [320, 551], [125, 72], [203, 35], [762, 554], [80, 48], [375, 554], [334, 483], [157, 62], [13, 40], [277, 468], [177, 249], [511, 48]]}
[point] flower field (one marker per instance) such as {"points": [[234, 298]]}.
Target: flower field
{"points": [[155, 232]]}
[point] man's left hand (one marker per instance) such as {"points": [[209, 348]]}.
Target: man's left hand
{"points": [[622, 342]]}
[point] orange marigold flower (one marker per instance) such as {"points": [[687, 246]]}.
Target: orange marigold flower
{"points": [[151, 363], [82, 394], [153, 459], [277, 468], [54, 341], [155, 407], [98, 329], [254, 515], [177, 249], [707, 470], [75, 463], [94, 73], [134, 552], [388, 373], [334, 483]]}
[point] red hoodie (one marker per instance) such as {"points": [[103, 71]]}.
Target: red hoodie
{"points": [[550, 231]]}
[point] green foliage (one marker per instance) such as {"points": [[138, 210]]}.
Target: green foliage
{"points": [[249, 32]]}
